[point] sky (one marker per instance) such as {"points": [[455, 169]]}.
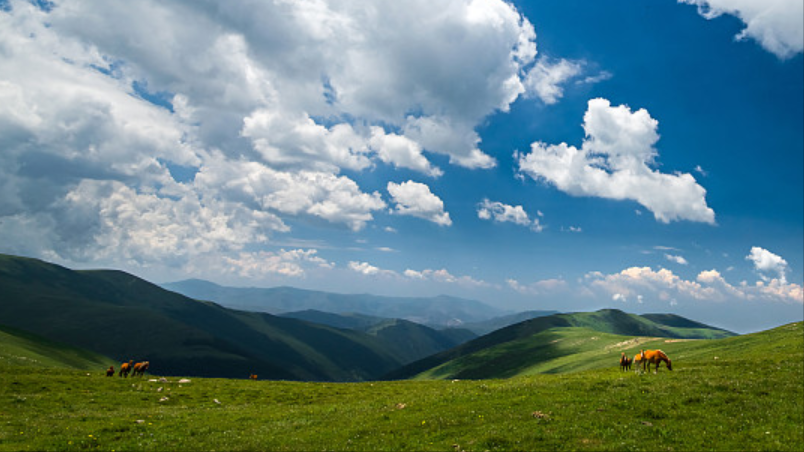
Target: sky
{"points": [[572, 155]]}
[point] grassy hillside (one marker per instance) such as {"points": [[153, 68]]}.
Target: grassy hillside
{"points": [[738, 393], [507, 351], [123, 317], [19, 348], [487, 326]]}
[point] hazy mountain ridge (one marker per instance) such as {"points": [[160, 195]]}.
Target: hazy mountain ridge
{"points": [[440, 311]]}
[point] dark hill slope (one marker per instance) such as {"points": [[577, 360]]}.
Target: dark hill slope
{"points": [[20, 348], [124, 317], [348, 320], [611, 321], [407, 340]]}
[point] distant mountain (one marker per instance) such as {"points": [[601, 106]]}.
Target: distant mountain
{"points": [[124, 317], [490, 356], [487, 326], [441, 311], [347, 320], [408, 341]]}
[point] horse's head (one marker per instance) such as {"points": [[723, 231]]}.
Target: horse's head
{"points": [[669, 366]]}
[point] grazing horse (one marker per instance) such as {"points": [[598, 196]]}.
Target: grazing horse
{"points": [[125, 368], [140, 368], [625, 362], [639, 360], [110, 371], [656, 357]]}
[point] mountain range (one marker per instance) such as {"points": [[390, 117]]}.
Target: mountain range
{"points": [[441, 311], [122, 317]]}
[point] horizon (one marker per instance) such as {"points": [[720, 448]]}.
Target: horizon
{"points": [[569, 156]]}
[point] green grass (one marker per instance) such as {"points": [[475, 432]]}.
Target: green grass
{"points": [[740, 393]]}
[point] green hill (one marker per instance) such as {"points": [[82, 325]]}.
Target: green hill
{"points": [[20, 348], [515, 349], [737, 393], [124, 317], [487, 326]]}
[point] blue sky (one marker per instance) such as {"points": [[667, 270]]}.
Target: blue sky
{"points": [[572, 155]]}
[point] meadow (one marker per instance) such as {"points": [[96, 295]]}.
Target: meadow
{"points": [[740, 393]]}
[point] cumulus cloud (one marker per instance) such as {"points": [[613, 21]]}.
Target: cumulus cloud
{"points": [[708, 286], [766, 262], [444, 276], [364, 268], [545, 78], [776, 25], [401, 151], [416, 199], [503, 213], [266, 104], [290, 263], [615, 162]]}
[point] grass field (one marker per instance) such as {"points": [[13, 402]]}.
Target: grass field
{"points": [[741, 393]]}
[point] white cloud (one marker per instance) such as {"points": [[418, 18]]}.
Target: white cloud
{"points": [[677, 259], [266, 102], [401, 151], [545, 78], [615, 162], [367, 269], [709, 286], [290, 263], [503, 213], [337, 199], [444, 276], [416, 199], [538, 288], [777, 25], [767, 262], [291, 141]]}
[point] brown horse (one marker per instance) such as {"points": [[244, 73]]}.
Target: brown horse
{"points": [[110, 371], [140, 368], [639, 360], [656, 357], [125, 368], [252, 376], [625, 362]]}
